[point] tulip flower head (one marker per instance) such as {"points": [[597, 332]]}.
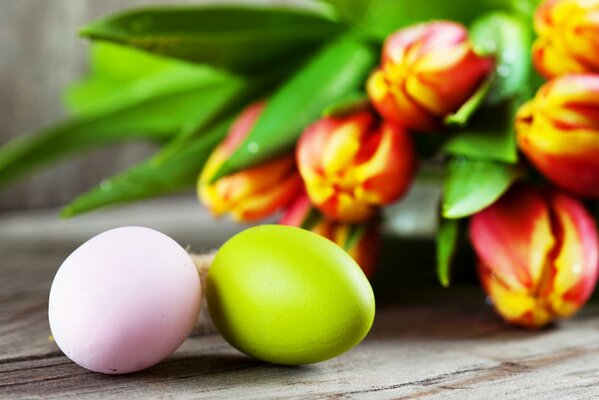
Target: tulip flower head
{"points": [[353, 164], [364, 247], [254, 193], [538, 255], [568, 37], [427, 72], [559, 132]]}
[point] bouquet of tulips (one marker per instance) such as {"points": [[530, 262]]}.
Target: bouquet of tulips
{"points": [[324, 112]]}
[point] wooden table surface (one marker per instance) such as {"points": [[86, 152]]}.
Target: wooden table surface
{"points": [[425, 343]]}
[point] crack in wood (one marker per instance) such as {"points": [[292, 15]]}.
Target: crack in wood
{"points": [[502, 370], [420, 382], [33, 357]]}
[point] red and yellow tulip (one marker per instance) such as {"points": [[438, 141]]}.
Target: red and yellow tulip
{"points": [[254, 193], [364, 250], [427, 72], [568, 39], [559, 132], [353, 164], [538, 255]]}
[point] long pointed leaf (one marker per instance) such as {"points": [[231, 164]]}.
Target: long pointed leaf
{"points": [[489, 136], [379, 18], [337, 70], [123, 76], [447, 240], [151, 178], [461, 117], [158, 118], [471, 185], [236, 37], [257, 87], [508, 39]]}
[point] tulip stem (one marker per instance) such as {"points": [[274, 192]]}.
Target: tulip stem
{"points": [[462, 116]]}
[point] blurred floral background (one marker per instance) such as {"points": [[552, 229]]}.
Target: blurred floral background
{"points": [[40, 54], [354, 119]]}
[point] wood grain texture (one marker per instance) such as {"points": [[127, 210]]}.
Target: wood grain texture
{"points": [[426, 343]]}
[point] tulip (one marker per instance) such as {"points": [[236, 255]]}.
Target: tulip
{"points": [[568, 37], [559, 132], [364, 250], [353, 164], [538, 255], [254, 193], [427, 72]]}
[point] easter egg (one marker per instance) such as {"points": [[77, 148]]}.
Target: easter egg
{"points": [[124, 300], [288, 296]]}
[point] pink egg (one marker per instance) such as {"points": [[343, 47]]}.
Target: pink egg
{"points": [[124, 300]]}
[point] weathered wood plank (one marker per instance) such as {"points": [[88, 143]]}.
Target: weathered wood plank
{"points": [[445, 344], [411, 352]]}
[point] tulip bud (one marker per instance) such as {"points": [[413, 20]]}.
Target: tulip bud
{"points": [[364, 250], [428, 71], [559, 132], [353, 164], [254, 193], [568, 37], [538, 255]]}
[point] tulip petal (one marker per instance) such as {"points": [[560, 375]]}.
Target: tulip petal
{"points": [[568, 37], [297, 213], [395, 105], [253, 193], [262, 204], [515, 306], [387, 173], [556, 234], [350, 210], [577, 261], [309, 149], [352, 165], [569, 161], [344, 142], [235, 188], [559, 132], [442, 59], [242, 126], [514, 237], [582, 38], [428, 71]]}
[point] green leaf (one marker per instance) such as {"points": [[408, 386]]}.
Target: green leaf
{"points": [[489, 136], [447, 241], [312, 218], [508, 38], [151, 178], [337, 70], [257, 87], [347, 105], [237, 37], [472, 185], [122, 76], [356, 231], [461, 117], [379, 18], [156, 119], [525, 8]]}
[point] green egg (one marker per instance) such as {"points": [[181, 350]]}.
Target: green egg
{"points": [[288, 296]]}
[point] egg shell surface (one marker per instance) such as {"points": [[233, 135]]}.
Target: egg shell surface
{"points": [[288, 296], [124, 300]]}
